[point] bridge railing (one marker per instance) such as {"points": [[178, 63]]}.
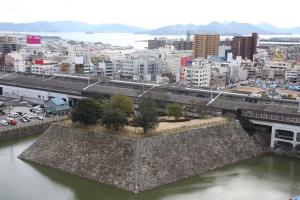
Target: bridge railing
{"points": [[271, 116]]}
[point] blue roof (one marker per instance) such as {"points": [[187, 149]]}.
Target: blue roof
{"points": [[296, 198], [58, 101]]}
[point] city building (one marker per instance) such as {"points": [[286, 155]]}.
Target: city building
{"points": [[181, 72], [223, 51], [277, 69], [8, 44], [6, 39], [45, 69], [244, 46], [293, 75], [106, 69], [56, 106], [205, 45], [182, 44], [198, 74], [65, 68], [157, 43]]}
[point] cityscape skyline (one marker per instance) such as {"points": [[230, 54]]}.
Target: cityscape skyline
{"points": [[126, 12]]}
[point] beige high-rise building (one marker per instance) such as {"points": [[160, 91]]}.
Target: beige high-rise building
{"points": [[205, 45]]}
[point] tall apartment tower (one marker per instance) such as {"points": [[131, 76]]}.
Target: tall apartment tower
{"points": [[205, 45], [244, 46]]}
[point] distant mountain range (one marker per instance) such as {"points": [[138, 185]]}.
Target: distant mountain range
{"points": [[68, 26], [228, 28], [231, 28]]}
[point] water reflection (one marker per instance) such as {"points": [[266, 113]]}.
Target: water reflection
{"points": [[268, 178]]}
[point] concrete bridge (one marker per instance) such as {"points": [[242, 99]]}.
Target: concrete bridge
{"points": [[283, 135]]}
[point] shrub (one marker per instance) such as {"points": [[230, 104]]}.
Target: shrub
{"points": [[175, 110]]}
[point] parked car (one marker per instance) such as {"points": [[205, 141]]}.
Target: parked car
{"points": [[37, 110], [11, 121], [33, 115], [3, 122], [13, 115], [27, 118], [40, 117], [24, 120]]}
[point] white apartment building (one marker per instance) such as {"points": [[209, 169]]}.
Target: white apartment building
{"points": [[115, 54], [106, 69], [19, 63], [293, 74], [140, 66], [47, 69], [222, 50], [277, 69], [172, 58], [75, 51], [199, 74], [278, 65]]}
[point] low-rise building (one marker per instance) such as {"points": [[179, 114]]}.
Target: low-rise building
{"points": [[56, 106], [45, 69]]}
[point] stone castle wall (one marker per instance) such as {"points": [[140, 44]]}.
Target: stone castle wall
{"points": [[140, 164]]}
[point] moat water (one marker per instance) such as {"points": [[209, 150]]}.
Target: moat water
{"points": [[264, 178]]}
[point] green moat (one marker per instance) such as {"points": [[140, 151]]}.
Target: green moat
{"points": [[268, 178]]}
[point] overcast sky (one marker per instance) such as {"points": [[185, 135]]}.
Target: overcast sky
{"points": [[153, 13]]}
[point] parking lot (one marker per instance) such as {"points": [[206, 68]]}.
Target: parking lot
{"points": [[23, 117]]}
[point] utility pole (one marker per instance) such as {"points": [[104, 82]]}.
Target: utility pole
{"points": [[89, 75], [43, 74]]}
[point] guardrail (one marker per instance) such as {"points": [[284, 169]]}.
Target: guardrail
{"points": [[33, 123]]}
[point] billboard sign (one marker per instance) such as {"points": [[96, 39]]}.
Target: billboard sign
{"points": [[186, 61], [39, 62], [33, 39]]}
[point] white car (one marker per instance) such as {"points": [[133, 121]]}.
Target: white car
{"points": [[28, 116], [33, 115], [24, 120], [40, 118], [13, 115], [4, 123]]}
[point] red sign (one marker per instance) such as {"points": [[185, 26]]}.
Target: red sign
{"points": [[39, 62], [186, 60], [33, 39]]}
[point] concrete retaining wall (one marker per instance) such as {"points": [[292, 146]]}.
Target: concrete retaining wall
{"points": [[140, 164], [287, 153], [16, 133]]}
